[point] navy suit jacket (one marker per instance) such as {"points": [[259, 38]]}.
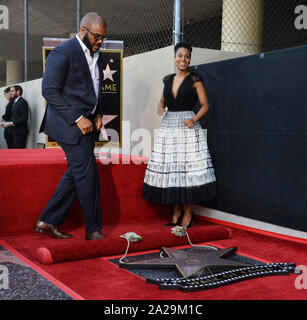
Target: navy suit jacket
{"points": [[20, 111], [68, 88], [17, 112]]}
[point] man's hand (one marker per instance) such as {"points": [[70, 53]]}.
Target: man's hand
{"points": [[98, 122], [85, 125]]}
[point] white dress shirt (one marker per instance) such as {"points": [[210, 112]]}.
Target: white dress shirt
{"points": [[93, 68], [16, 100]]}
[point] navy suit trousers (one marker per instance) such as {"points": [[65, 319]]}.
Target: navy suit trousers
{"points": [[81, 178]]}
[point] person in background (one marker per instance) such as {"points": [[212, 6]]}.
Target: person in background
{"points": [[17, 120], [7, 114]]}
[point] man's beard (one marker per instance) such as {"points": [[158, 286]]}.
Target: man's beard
{"points": [[88, 44]]}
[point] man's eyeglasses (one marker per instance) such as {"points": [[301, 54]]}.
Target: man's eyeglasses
{"points": [[96, 36]]}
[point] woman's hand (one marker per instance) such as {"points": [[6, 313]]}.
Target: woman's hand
{"points": [[189, 123], [161, 109]]}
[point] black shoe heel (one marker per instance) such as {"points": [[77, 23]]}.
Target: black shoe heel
{"points": [[191, 223], [172, 224]]}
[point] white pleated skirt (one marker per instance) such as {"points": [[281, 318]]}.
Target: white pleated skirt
{"points": [[180, 169]]}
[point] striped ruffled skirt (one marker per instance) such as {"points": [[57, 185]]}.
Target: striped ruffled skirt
{"points": [[180, 169]]}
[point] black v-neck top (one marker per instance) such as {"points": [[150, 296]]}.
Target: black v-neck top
{"points": [[186, 96]]}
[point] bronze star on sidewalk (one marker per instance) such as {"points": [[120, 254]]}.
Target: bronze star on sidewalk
{"points": [[189, 263]]}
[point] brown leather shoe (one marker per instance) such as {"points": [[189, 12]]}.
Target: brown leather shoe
{"points": [[53, 231], [94, 236]]}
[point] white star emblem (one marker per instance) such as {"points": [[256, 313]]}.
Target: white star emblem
{"points": [[107, 73]]}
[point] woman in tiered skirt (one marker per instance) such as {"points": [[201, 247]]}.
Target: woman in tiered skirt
{"points": [[180, 171]]}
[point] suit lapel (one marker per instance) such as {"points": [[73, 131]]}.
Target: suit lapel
{"points": [[15, 104], [78, 52]]}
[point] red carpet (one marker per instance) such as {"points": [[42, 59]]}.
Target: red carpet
{"points": [[34, 174]]}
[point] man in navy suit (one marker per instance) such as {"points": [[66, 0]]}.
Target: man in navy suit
{"points": [[72, 87]]}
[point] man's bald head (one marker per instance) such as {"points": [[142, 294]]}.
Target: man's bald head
{"points": [[93, 30], [92, 18]]}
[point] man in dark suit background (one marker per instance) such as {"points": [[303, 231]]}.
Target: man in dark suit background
{"points": [[72, 87], [7, 114], [16, 119]]}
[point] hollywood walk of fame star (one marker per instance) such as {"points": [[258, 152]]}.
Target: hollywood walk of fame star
{"points": [[189, 263], [108, 73]]}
